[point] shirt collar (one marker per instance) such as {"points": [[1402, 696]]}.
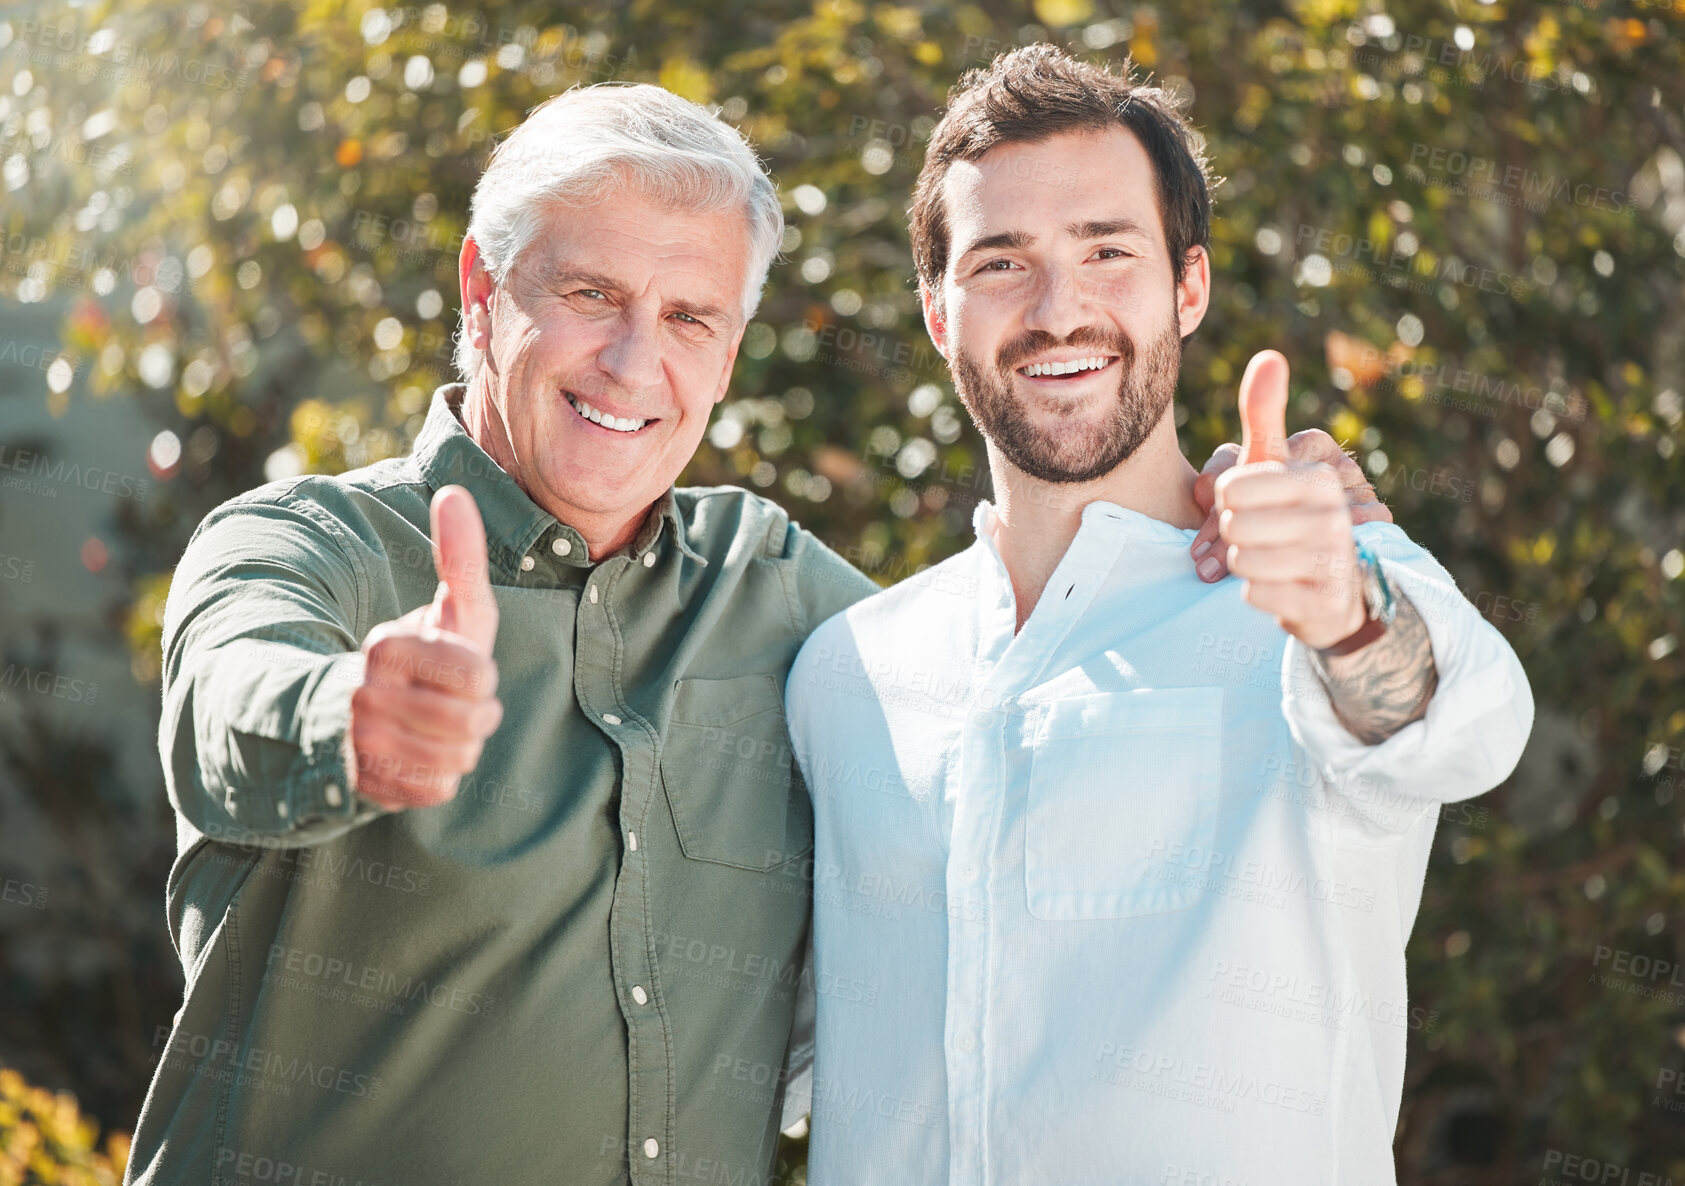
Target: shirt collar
{"points": [[1107, 520], [446, 454]]}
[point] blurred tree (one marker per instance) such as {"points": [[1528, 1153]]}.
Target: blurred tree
{"points": [[46, 1141], [1464, 224]]}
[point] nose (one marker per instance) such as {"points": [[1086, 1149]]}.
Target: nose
{"points": [[632, 355], [1058, 305]]}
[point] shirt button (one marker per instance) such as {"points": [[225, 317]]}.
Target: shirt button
{"points": [[652, 1147], [631, 842], [332, 795], [982, 718], [561, 546], [967, 1042], [639, 995], [593, 592], [649, 559], [527, 563], [281, 809], [610, 719], [969, 873]]}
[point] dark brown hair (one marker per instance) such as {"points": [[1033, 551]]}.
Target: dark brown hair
{"points": [[1037, 92]]}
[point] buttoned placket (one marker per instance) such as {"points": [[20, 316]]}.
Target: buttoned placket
{"points": [[1006, 665], [598, 663]]}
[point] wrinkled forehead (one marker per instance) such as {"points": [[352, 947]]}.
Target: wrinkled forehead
{"points": [[641, 244]]}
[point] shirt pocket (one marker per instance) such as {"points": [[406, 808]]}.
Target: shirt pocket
{"points": [[1121, 808], [727, 767]]}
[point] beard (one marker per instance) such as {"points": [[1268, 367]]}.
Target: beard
{"points": [[1074, 453]]}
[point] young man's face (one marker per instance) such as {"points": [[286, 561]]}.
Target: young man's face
{"points": [[1057, 263], [627, 309]]}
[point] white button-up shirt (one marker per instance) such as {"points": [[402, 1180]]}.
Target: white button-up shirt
{"points": [[1116, 898]]}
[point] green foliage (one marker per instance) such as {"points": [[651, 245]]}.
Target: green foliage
{"points": [[46, 1141], [273, 239]]}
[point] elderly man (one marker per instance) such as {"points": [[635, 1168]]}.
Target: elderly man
{"points": [[491, 845], [493, 855]]}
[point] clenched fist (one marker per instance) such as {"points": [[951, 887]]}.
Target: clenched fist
{"points": [[1310, 444], [1285, 522], [427, 702]]}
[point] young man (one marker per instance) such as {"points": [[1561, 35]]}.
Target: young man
{"points": [[1115, 867]]}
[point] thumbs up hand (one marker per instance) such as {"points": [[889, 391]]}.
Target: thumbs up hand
{"points": [[427, 703], [1310, 444], [1284, 521], [463, 603]]}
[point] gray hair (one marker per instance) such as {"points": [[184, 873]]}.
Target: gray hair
{"points": [[579, 147]]}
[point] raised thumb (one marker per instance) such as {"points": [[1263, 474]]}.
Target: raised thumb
{"points": [[1263, 408], [464, 603]]}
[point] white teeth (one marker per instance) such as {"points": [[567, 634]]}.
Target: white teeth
{"points": [[1037, 370], [618, 423]]}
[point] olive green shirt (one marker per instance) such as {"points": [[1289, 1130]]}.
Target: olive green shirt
{"points": [[582, 969]]}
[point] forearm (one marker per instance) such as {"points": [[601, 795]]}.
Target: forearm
{"points": [[1378, 689], [252, 745]]}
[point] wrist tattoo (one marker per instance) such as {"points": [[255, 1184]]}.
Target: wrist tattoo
{"points": [[1382, 687]]}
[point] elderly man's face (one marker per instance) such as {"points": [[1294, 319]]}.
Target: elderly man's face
{"points": [[612, 337]]}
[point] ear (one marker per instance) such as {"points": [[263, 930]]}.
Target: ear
{"points": [[1193, 296], [935, 318], [477, 288]]}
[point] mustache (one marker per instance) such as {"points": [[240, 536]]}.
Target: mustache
{"points": [[1038, 341]]}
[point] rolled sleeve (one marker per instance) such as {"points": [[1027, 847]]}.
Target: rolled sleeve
{"points": [[1476, 723]]}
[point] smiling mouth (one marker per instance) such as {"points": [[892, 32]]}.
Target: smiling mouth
{"points": [[1066, 370], [598, 417]]}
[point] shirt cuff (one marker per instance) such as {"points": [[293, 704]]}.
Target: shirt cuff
{"points": [[320, 791], [1467, 742]]}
